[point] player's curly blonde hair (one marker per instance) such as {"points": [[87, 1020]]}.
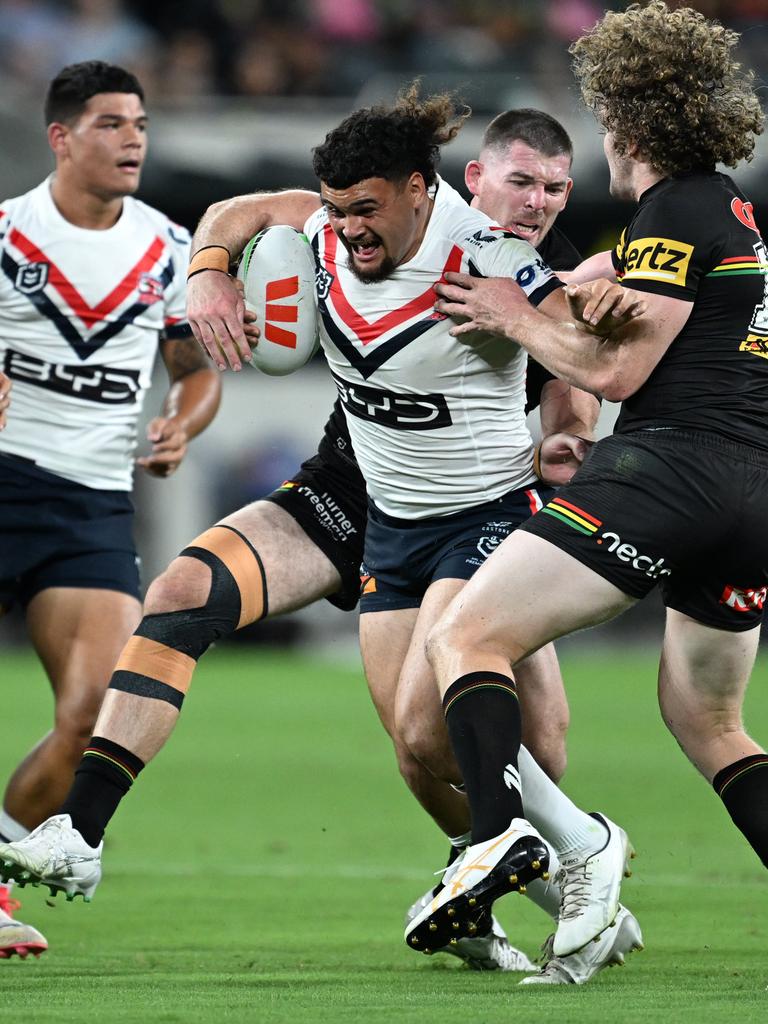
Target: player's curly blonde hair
{"points": [[668, 81]]}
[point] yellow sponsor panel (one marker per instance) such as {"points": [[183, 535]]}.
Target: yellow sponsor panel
{"points": [[657, 259], [757, 344]]}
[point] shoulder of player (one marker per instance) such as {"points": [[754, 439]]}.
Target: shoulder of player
{"points": [[169, 230], [14, 205], [484, 241]]}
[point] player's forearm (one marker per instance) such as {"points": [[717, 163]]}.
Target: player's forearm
{"points": [[194, 400], [567, 409], [233, 222], [599, 265], [584, 360]]}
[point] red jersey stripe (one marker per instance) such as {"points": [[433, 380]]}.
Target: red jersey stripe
{"points": [[368, 332], [90, 314]]}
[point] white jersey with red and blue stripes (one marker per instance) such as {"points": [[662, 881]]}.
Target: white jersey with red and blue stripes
{"points": [[81, 314], [437, 423]]}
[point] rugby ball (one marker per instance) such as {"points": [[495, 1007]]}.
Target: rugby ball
{"points": [[277, 269]]}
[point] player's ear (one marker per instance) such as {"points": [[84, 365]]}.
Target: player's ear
{"points": [[58, 134], [417, 188], [472, 174], [568, 187]]}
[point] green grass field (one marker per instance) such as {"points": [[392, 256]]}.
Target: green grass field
{"points": [[260, 869]]}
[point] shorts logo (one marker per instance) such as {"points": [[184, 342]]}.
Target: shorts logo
{"points": [[572, 516], [587, 524], [487, 545], [367, 584], [744, 600], [32, 278], [657, 259]]}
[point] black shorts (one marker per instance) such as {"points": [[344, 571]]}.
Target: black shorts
{"points": [[677, 508], [328, 500], [56, 533], [404, 556]]}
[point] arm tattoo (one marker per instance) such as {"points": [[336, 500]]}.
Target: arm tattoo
{"points": [[183, 356]]}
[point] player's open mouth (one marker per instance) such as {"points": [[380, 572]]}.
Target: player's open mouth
{"points": [[364, 252], [526, 229], [129, 165]]}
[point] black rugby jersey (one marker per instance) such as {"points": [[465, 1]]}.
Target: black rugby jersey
{"points": [[695, 238]]}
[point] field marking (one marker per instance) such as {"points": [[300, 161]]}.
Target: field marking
{"points": [[384, 873]]}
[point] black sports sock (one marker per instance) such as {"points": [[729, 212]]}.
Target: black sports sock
{"points": [[483, 719], [103, 777], [743, 788]]}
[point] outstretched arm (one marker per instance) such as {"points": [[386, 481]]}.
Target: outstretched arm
{"points": [[612, 354], [215, 309]]}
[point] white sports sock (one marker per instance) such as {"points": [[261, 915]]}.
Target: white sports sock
{"points": [[573, 833], [11, 829]]}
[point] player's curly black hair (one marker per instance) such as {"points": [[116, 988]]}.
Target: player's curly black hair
{"points": [[75, 84], [390, 142], [668, 81]]}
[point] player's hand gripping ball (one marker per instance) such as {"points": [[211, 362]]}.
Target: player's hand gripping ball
{"points": [[278, 274]]}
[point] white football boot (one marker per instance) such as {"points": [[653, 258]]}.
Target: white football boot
{"points": [[56, 855], [590, 889], [17, 938], [487, 870], [607, 950]]}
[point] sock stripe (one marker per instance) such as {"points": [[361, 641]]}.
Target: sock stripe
{"points": [[143, 686], [725, 778], [474, 681], [92, 752]]}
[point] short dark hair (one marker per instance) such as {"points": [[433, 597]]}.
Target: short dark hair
{"points": [[533, 127], [75, 84], [390, 142]]}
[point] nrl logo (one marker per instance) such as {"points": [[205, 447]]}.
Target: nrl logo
{"points": [[323, 282], [32, 278]]}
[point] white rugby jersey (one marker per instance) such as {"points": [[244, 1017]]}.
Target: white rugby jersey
{"points": [[437, 423], [81, 314]]}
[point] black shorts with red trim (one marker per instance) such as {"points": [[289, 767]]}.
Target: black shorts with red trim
{"points": [[404, 556], [328, 499], [681, 509], [57, 533]]}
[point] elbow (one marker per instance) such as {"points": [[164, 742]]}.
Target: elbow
{"points": [[616, 388]]}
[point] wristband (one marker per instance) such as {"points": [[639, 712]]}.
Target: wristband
{"points": [[210, 257], [537, 461]]}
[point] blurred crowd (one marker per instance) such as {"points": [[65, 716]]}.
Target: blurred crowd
{"points": [[187, 50]]}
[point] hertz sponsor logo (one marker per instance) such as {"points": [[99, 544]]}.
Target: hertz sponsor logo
{"points": [[657, 259]]}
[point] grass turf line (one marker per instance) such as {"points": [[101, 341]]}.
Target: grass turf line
{"points": [[260, 868]]}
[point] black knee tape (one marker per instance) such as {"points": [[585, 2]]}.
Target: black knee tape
{"points": [[192, 630]]}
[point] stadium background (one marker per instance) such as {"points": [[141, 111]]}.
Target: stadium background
{"points": [[238, 92]]}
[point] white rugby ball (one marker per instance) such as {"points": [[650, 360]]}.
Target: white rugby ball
{"points": [[277, 269]]}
